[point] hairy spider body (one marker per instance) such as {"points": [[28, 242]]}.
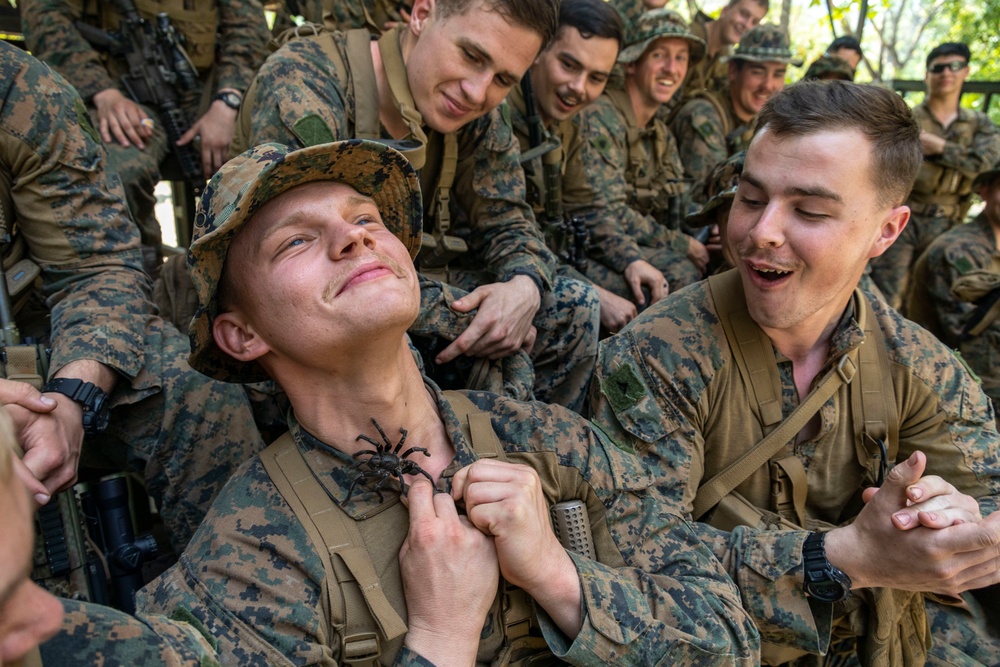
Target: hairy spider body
{"points": [[385, 464]]}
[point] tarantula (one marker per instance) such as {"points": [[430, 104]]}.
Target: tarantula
{"points": [[385, 463]]}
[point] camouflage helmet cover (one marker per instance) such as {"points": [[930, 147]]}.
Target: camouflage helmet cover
{"points": [[765, 43], [987, 176], [250, 180], [830, 67], [720, 188], [653, 25]]}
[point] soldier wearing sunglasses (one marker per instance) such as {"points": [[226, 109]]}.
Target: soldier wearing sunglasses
{"points": [[958, 144]]}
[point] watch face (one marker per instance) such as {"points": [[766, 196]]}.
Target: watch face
{"points": [[826, 591]]}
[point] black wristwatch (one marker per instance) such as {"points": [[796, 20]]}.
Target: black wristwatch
{"points": [[230, 99], [822, 580], [89, 395]]}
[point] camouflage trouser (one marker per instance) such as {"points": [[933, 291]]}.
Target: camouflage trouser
{"points": [[92, 634], [565, 349], [891, 271], [960, 636], [187, 437], [677, 269]]}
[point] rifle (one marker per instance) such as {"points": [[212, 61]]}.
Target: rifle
{"points": [[159, 71], [567, 238]]}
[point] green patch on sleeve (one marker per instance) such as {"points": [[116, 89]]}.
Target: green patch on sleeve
{"points": [[602, 145], [706, 130], [83, 120], [623, 388], [312, 130], [963, 265], [961, 360], [185, 616]]}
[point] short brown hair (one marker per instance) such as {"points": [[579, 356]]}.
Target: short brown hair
{"points": [[541, 16], [763, 3], [810, 107]]}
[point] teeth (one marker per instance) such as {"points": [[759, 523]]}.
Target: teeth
{"points": [[778, 271]]}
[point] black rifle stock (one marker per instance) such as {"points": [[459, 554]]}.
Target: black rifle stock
{"points": [[158, 72]]}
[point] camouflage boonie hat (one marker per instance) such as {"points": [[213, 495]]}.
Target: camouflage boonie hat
{"points": [[829, 67], [720, 188], [653, 25], [250, 180], [766, 43]]}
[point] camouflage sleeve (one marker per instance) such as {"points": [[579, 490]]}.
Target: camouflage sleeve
{"points": [[982, 154], [296, 99], [595, 188], [655, 594], [92, 634], [948, 258], [489, 186], [243, 38], [700, 142], [944, 411], [50, 35], [654, 413], [72, 214]]}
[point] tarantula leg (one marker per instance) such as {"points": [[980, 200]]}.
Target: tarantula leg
{"points": [[370, 452], [414, 449], [399, 445], [381, 433], [350, 492], [370, 441]]}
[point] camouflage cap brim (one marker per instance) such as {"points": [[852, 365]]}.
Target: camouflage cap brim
{"points": [[986, 177], [657, 24], [706, 214], [778, 56], [247, 182], [765, 43]]}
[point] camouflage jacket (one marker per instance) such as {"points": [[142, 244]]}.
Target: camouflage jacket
{"points": [[663, 387], [705, 137], [298, 99], [92, 634], [619, 220], [50, 35], [955, 253], [666, 601], [972, 145], [347, 14], [71, 212], [712, 72]]}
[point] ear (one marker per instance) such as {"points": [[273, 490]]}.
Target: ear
{"points": [[892, 227], [420, 14], [236, 337], [732, 71]]}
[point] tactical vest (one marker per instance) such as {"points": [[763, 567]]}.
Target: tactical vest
{"points": [[198, 25], [435, 157], [767, 487], [365, 609], [942, 191], [649, 190]]}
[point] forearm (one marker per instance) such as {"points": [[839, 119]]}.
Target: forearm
{"points": [[243, 36]]}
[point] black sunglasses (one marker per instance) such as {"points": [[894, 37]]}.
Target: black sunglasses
{"points": [[954, 66]]}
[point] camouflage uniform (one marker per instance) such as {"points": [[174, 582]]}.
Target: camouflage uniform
{"points": [[941, 195], [72, 215], [931, 303], [707, 128], [668, 386], [712, 73], [624, 226], [666, 600], [242, 40], [298, 99], [92, 634]]}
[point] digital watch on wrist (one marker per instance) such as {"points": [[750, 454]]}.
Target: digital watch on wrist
{"points": [[822, 580], [89, 395], [230, 99]]}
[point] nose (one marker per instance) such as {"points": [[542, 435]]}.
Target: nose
{"points": [[475, 87], [578, 84], [768, 230], [350, 240]]}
